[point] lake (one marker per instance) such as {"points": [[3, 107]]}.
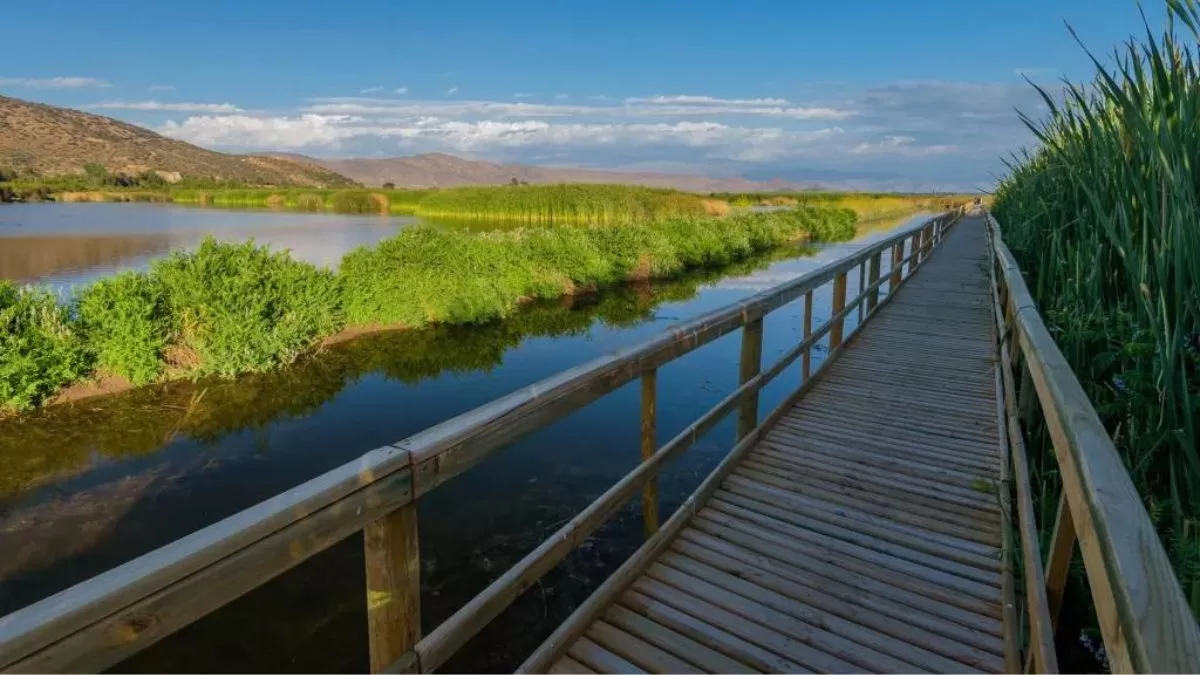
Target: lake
{"points": [[61, 245], [92, 484]]}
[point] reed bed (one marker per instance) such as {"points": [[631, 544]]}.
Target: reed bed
{"points": [[560, 204], [1104, 218], [226, 309]]}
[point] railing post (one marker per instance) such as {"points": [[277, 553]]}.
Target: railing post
{"points": [[751, 364], [393, 564], [915, 251], [807, 358], [1062, 549], [839, 303], [872, 277], [862, 283], [897, 267], [649, 439]]}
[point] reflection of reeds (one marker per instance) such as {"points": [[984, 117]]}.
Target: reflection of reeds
{"points": [[1103, 218], [28, 258]]}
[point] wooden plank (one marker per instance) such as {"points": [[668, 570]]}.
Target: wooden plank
{"points": [[775, 641], [637, 651], [925, 631], [761, 660], [568, 665], [872, 277], [391, 550], [875, 504], [649, 439], [830, 652], [932, 460], [917, 465], [751, 365], [832, 550], [806, 368], [897, 268], [600, 659], [707, 659], [863, 645]]}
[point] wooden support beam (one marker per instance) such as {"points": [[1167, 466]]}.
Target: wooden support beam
{"points": [[872, 277], [1062, 549], [808, 307], [649, 441], [897, 267], [914, 248], [839, 303], [393, 564], [751, 364], [862, 284]]}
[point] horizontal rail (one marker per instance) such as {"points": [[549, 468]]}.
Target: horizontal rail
{"points": [[103, 620], [1144, 618]]}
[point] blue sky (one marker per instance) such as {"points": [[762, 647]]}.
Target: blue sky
{"points": [[920, 91]]}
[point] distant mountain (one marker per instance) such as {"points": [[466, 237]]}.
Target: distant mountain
{"points": [[442, 170], [47, 140]]}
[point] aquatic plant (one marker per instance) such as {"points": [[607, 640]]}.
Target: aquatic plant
{"points": [[562, 204], [40, 349], [1104, 218], [126, 324]]}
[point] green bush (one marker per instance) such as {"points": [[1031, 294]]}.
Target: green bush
{"points": [[40, 351], [242, 308], [127, 325]]}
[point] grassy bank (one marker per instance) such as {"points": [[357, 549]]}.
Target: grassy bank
{"points": [[225, 309], [1105, 220], [867, 205]]}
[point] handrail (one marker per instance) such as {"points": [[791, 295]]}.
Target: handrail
{"points": [[1144, 618], [103, 620]]}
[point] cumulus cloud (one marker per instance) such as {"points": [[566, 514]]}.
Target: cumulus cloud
{"points": [[153, 106], [54, 83], [684, 98], [467, 108], [370, 90], [901, 145], [400, 90]]}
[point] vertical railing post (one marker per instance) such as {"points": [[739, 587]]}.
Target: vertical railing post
{"points": [[897, 267], [862, 283], [393, 565], [872, 277], [915, 251], [751, 364], [839, 303], [649, 439], [806, 368]]}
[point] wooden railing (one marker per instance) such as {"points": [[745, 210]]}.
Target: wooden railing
{"points": [[1144, 618], [100, 622]]}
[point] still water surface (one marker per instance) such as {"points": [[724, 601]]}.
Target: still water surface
{"points": [[90, 485]]}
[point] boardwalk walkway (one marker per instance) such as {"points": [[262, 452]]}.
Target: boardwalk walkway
{"points": [[863, 532]]}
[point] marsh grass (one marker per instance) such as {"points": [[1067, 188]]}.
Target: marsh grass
{"points": [[227, 309], [588, 204], [1104, 218]]}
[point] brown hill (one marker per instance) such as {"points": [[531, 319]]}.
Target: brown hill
{"points": [[441, 170], [47, 140]]}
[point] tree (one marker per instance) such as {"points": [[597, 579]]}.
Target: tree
{"points": [[515, 181], [95, 173], [389, 186]]}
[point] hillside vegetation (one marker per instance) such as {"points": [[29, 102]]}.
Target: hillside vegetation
{"points": [[46, 141]]}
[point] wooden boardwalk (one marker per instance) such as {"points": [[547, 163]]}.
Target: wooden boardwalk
{"points": [[863, 533]]}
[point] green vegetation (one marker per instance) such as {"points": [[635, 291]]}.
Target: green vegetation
{"points": [[226, 309], [429, 275], [1105, 220], [312, 200], [868, 205], [40, 351], [568, 203]]}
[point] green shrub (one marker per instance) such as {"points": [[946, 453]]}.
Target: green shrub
{"points": [[127, 325], [242, 308], [40, 351]]}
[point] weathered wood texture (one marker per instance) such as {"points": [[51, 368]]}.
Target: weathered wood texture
{"points": [[862, 532]]}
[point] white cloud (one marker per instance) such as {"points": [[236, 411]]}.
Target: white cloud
{"points": [[165, 107], [704, 100], [161, 87], [561, 97], [522, 94], [901, 145], [452, 91], [599, 97], [400, 90], [55, 83], [370, 90], [375, 106]]}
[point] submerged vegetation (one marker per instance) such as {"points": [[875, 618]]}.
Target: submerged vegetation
{"points": [[226, 309], [1104, 219]]}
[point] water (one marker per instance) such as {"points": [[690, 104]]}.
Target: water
{"points": [[61, 245], [89, 485]]}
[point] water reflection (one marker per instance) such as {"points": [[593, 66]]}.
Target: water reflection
{"points": [[60, 245]]}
